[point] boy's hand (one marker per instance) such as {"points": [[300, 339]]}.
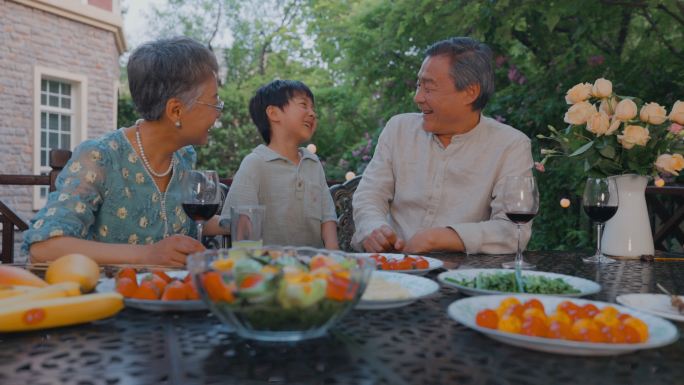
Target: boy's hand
{"points": [[383, 239]]}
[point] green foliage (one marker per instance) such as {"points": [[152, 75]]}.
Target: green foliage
{"points": [[360, 58]]}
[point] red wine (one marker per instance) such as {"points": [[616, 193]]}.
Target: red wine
{"points": [[200, 211], [600, 214], [520, 218]]}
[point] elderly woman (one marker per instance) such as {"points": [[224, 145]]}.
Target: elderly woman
{"points": [[118, 200]]}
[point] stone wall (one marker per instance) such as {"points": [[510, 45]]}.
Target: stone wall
{"points": [[28, 38]]}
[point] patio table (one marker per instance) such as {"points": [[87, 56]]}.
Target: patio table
{"points": [[415, 344]]}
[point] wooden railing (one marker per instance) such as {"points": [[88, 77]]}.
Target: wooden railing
{"points": [[10, 220]]}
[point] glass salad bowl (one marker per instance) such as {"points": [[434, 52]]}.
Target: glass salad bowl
{"points": [[280, 293]]}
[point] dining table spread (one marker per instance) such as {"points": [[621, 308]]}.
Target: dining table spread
{"points": [[414, 344]]}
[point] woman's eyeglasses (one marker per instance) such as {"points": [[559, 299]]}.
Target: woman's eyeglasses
{"points": [[218, 107]]}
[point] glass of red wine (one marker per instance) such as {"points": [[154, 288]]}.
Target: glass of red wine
{"points": [[521, 203], [600, 202], [200, 196]]}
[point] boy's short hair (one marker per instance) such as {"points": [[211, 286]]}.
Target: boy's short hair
{"points": [[277, 93]]}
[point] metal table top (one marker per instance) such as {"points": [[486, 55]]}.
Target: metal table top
{"points": [[415, 344]]}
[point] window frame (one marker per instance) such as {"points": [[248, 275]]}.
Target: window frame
{"points": [[79, 119]]}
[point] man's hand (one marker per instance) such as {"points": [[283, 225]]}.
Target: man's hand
{"points": [[171, 251], [383, 239], [434, 239]]}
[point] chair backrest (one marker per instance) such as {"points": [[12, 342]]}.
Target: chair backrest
{"points": [[58, 159], [342, 195]]}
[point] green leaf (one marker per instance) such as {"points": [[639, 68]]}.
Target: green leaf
{"points": [[608, 152], [582, 149]]}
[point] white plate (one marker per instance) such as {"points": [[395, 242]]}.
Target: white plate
{"points": [[418, 287], [433, 262], [661, 332], [109, 285], [585, 286], [656, 304]]}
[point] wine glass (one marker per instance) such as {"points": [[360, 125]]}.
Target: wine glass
{"points": [[600, 202], [200, 196], [521, 203]]}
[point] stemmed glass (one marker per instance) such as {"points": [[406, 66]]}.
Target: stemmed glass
{"points": [[600, 202], [521, 203], [200, 196]]}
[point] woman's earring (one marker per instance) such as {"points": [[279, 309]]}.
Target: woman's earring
{"points": [[178, 124]]}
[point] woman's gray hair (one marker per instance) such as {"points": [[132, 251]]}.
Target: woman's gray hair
{"points": [[471, 63], [165, 69]]}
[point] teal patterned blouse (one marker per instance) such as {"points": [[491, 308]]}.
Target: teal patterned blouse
{"points": [[105, 194]]}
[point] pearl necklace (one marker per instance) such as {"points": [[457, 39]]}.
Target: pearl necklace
{"points": [[146, 163]]}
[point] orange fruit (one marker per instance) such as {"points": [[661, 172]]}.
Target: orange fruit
{"points": [[126, 287], [74, 268], [147, 290], [191, 290], [161, 274], [175, 291], [128, 272], [487, 319], [158, 281]]}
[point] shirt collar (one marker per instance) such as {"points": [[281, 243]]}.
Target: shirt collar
{"points": [[270, 155]]}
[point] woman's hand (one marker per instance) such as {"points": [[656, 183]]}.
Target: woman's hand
{"points": [[171, 251]]}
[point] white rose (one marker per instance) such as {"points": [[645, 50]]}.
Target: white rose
{"points": [[653, 113], [602, 88], [614, 125], [626, 110], [633, 135], [598, 123], [677, 113], [579, 113], [672, 164], [578, 93], [608, 106]]}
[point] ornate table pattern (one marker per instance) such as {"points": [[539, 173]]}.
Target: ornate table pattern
{"points": [[416, 344]]}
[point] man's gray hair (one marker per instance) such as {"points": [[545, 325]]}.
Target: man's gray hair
{"points": [[471, 63], [165, 69]]}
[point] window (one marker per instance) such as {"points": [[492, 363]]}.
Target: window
{"points": [[60, 114]]}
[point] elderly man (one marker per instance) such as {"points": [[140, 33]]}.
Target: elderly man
{"points": [[436, 180]]}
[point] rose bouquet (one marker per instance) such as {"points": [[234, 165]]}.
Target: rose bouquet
{"points": [[615, 135]]}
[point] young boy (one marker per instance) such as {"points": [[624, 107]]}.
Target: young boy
{"points": [[287, 179]]}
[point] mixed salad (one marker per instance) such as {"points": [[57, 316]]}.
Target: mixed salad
{"points": [[280, 291]]}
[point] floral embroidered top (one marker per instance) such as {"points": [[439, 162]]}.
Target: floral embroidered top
{"points": [[105, 194]]}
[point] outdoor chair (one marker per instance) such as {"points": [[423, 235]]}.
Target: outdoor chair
{"points": [[342, 195]]}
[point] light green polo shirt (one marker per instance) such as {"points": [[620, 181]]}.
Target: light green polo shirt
{"points": [[296, 197]]}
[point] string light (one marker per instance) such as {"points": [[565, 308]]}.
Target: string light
{"points": [[349, 175]]}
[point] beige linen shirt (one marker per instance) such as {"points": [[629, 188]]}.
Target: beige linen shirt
{"points": [[414, 183], [296, 197]]}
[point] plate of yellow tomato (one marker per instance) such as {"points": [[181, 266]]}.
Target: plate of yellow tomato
{"points": [[562, 325]]}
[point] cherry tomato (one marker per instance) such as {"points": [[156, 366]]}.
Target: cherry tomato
{"points": [[588, 311], [422, 263], [560, 330], [487, 319], [534, 326], [638, 325], [534, 303], [126, 287], [510, 323], [587, 330]]}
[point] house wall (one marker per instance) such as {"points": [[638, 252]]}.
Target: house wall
{"points": [[30, 38]]}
